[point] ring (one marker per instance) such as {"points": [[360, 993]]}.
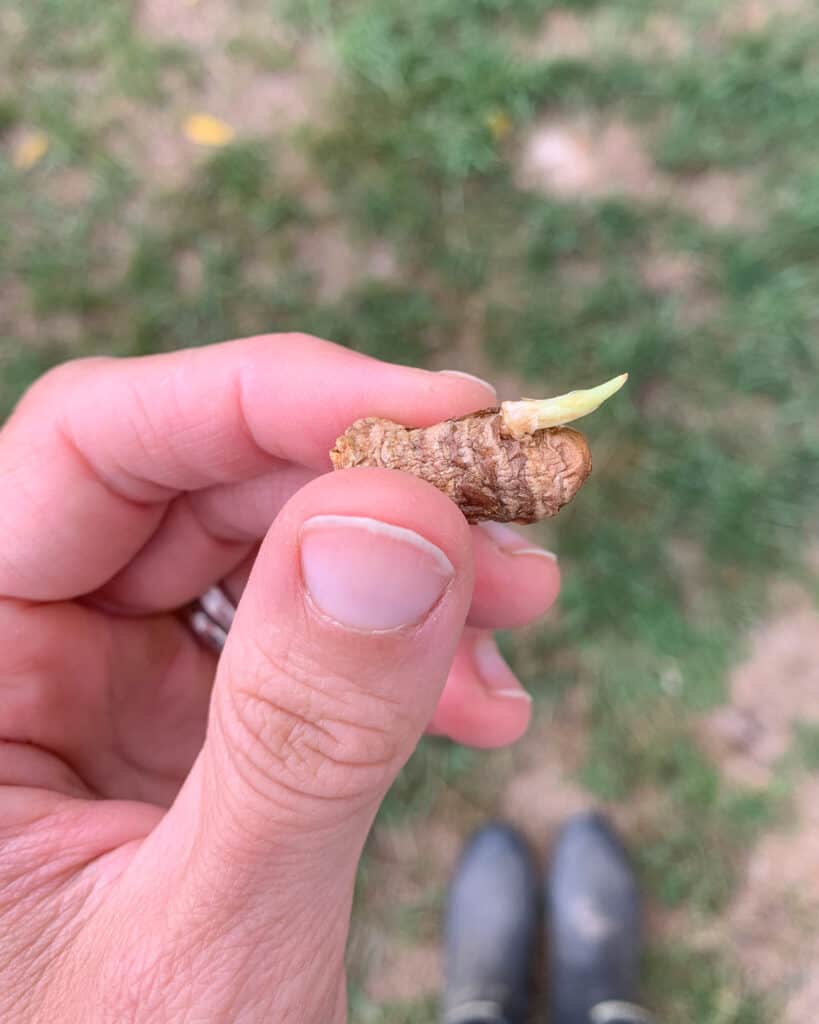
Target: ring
{"points": [[210, 617]]}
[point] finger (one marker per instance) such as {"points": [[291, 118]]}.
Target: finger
{"points": [[99, 447], [516, 581], [339, 652], [120, 703], [483, 703], [235, 583], [204, 536]]}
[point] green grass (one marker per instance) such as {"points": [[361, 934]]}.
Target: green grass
{"points": [[699, 987], [691, 987], [435, 765], [364, 1011], [714, 445], [759, 99], [260, 53], [807, 745]]}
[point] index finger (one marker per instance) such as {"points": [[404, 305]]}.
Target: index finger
{"points": [[95, 451]]}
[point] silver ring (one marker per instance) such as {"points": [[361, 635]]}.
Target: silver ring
{"points": [[210, 617]]}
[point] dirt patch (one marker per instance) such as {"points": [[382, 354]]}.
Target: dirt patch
{"points": [[582, 157], [339, 262], [17, 319], [756, 15], [720, 199], [812, 556], [671, 272], [465, 350], [773, 690], [771, 929], [801, 1006], [70, 186], [563, 34], [405, 974], [661, 35], [409, 866], [681, 275], [586, 157], [251, 98], [773, 926], [22, 327], [542, 793], [200, 24], [541, 799], [431, 853], [567, 35]]}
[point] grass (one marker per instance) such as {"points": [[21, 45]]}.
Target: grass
{"points": [[713, 449], [692, 987], [363, 1011], [807, 746]]}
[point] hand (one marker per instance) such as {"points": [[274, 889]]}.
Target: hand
{"points": [[179, 838]]}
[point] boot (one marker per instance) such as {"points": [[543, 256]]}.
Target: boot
{"points": [[491, 928], [593, 922]]}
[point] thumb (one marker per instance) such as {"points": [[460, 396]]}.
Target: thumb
{"points": [[339, 651], [333, 667]]}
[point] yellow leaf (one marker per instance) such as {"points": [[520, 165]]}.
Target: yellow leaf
{"points": [[499, 124], [30, 150], [205, 130]]}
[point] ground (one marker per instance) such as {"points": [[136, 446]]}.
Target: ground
{"points": [[546, 193]]}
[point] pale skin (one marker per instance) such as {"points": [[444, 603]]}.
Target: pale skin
{"points": [[179, 835]]}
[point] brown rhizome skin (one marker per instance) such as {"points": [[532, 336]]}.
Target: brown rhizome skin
{"points": [[489, 475], [513, 464]]}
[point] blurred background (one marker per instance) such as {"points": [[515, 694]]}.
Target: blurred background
{"points": [[546, 194]]}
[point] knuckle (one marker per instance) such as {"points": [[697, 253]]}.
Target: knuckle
{"points": [[310, 729], [289, 338], [59, 377]]}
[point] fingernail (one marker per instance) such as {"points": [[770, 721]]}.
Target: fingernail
{"points": [[497, 677], [512, 543], [471, 376], [369, 575]]}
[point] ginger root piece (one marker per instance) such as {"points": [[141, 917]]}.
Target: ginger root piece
{"points": [[511, 464]]}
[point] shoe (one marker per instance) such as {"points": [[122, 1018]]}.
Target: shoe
{"points": [[593, 921], [491, 928]]}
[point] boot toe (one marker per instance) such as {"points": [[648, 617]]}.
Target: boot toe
{"points": [[490, 929], [594, 920]]}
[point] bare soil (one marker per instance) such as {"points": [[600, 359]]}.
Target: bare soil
{"points": [[251, 98], [595, 157], [413, 863], [755, 15], [773, 927], [776, 688], [584, 156]]}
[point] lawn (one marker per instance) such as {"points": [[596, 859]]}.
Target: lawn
{"points": [[547, 193]]}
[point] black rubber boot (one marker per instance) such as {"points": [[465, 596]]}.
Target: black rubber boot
{"points": [[491, 925], [593, 921]]}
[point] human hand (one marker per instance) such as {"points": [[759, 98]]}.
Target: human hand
{"points": [[179, 837]]}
